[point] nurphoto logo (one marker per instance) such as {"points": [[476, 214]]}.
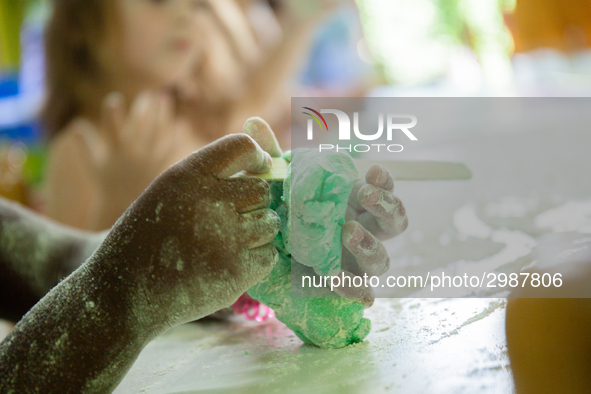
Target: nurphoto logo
{"points": [[393, 126]]}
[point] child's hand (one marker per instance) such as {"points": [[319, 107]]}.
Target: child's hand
{"points": [[129, 150], [191, 244], [373, 214], [197, 239]]}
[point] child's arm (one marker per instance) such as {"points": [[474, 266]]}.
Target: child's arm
{"points": [[265, 70], [298, 19], [35, 254], [191, 244]]}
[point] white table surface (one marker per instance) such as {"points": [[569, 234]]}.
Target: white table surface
{"points": [[416, 346]]}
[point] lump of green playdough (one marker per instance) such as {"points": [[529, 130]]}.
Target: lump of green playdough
{"points": [[323, 319], [320, 184]]}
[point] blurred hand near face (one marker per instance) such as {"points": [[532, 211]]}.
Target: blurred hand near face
{"points": [[131, 147]]}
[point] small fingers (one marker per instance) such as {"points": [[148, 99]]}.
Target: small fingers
{"points": [[234, 24], [93, 147], [386, 216], [377, 176], [380, 177], [261, 132], [141, 125], [259, 227], [347, 289], [230, 155], [258, 263], [249, 193], [113, 117], [370, 254], [353, 200]]}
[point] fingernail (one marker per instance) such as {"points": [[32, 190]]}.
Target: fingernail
{"points": [[352, 231], [367, 302], [382, 175], [250, 126], [358, 234], [370, 196]]}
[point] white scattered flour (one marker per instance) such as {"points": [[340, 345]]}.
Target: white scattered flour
{"points": [[574, 215]]}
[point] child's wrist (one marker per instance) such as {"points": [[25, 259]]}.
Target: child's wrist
{"points": [[90, 310], [125, 299]]}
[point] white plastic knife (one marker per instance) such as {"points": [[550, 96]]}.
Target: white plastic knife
{"points": [[400, 170]]}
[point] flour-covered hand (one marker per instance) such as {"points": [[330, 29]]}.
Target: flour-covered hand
{"points": [[204, 235], [373, 214]]}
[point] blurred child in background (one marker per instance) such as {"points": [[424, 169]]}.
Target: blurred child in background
{"points": [[86, 332], [97, 47], [186, 72], [104, 154]]}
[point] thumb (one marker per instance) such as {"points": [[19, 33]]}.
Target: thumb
{"points": [[113, 117], [230, 155], [261, 132]]}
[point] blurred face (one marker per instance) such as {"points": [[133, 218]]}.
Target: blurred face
{"points": [[159, 37]]}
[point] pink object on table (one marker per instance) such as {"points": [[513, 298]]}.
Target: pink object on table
{"points": [[252, 309]]}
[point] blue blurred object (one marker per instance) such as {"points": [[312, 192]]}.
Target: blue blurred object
{"points": [[29, 133], [334, 63], [8, 85], [9, 92], [17, 112], [21, 96]]}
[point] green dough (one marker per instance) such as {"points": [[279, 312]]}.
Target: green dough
{"points": [[312, 213], [320, 184]]}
